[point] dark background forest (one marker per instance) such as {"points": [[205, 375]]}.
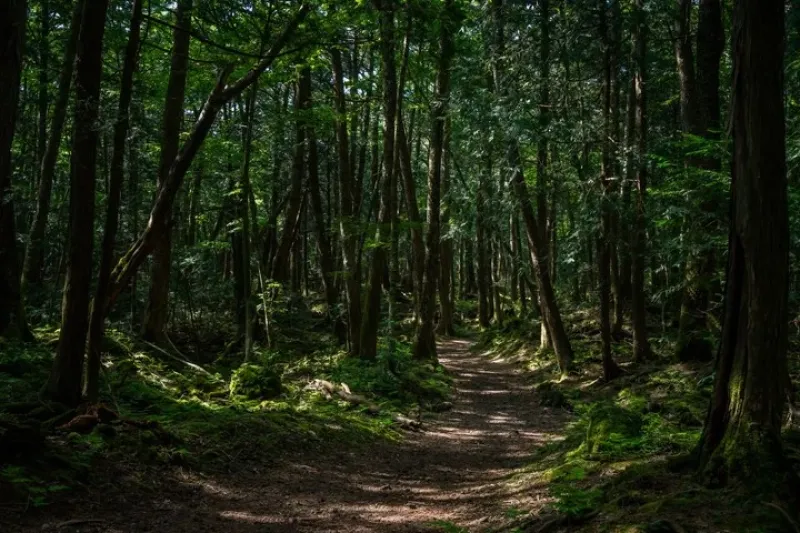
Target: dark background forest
{"points": [[239, 235]]}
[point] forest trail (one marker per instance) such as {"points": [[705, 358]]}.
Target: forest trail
{"points": [[454, 471]]}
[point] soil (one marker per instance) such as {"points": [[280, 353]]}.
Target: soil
{"points": [[455, 471]]}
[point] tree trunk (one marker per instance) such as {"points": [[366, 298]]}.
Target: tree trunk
{"points": [[641, 345], [327, 266], [702, 117], [481, 221], [372, 303], [348, 206], [13, 14], [157, 311], [64, 385], [446, 299], [551, 315], [544, 223], [282, 258], [161, 211], [610, 368], [425, 344], [32, 264], [97, 320], [742, 436]]}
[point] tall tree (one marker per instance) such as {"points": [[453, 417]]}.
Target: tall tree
{"points": [[121, 127], [65, 380], [13, 15], [371, 315], [742, 436], [157, 311], [641, 344], [425, 343], [700, 116], [32, 264], [349, 207], [536, 245], [610, 368]]}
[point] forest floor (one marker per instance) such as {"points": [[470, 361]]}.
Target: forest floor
{"points": [[451, 475]]}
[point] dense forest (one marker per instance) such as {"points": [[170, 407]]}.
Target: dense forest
{"points": [[399, 265]]}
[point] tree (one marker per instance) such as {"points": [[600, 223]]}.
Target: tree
{"points": [[742, 435], [32, 264], [551, 314], [371, 314], [121, 127], [65, 380], [13, 15], [157, 310], [641, 344], [425, 344], [700, 116]]}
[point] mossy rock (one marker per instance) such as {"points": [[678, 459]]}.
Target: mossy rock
{"points": [[255, 382], [612, 429]]}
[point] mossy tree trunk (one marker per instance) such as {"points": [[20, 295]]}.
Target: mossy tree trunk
{"points": [[742, 432]]}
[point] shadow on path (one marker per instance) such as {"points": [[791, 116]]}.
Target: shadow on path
{"points": [[454, 470]]}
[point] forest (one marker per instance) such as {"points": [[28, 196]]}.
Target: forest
{"points": [[400, 266]]}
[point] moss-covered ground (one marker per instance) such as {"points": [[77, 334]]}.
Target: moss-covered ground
{"points": [[216, 414], [624, 462]]}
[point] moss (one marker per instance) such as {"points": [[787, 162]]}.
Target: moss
{"points": [[254, 382]]}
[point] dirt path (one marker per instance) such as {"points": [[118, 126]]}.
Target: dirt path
{"points": [[452, 471]]}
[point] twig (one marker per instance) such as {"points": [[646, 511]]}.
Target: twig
{"points": [[176, 358]]}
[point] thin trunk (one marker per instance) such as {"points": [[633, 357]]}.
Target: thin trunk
{"points": [[348, 206], [610, 368], [551, 315], [97, 320], [446, 299], [64, 385], [641, 345], [372, 303], [281, 261], [32, 264], [425, 345], [157, 311]]}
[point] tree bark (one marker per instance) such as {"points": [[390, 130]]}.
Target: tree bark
{"points": [[742, 436], [349, 205], [641, 344], [425, 343], [372, 303], [610, 368], [117, 171], [446, 298], [157, 311], [64, 385]]}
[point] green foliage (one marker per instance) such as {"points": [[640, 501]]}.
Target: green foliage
{"points": [[252, 382]]}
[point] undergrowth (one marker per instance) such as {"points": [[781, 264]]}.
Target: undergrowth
{"points": [[621, 466], [218, 417]]}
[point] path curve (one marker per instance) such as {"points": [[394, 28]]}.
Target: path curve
{"points": [[453, 471]]}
